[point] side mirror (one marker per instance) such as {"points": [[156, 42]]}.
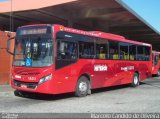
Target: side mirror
{"points": [[9, 48]]}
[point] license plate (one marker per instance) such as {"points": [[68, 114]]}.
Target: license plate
{"points": [[23, 86]]}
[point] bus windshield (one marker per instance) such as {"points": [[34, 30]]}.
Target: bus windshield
{"points": [[33, 51]]}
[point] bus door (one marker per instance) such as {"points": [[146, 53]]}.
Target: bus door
{"points": [[155, 62], [65, 63]]}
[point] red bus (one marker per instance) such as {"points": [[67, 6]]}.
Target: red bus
{"points": [[156, 63], [54, 59]]}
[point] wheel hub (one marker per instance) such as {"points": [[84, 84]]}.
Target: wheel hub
{"points": [[83, 86], [135, 80]]}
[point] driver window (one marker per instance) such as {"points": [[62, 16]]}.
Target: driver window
{"points": [[66, 50]]}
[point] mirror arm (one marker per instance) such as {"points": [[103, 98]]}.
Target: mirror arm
{"points": [[8, 45]]}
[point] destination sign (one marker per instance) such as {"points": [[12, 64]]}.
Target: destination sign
{"points": [[33, 31]]}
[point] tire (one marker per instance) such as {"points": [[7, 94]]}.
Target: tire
{"points": [[135, 80], [82, 87], [20, 93], [158, 74]]}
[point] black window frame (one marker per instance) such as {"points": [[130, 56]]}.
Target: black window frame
{"points": [[65, 37], [120, 51], [134, 52], [114, 55], [109, 42], [107, 48]]}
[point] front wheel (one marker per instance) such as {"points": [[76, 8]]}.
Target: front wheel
{"points": [[20, 93], [135, 80], [82, 87]]}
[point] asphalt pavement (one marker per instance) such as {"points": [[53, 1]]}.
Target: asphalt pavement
{"points": [[118, 99]]}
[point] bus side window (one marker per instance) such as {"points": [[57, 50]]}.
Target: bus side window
{"points": [[132, 52], [86, 49], [156, 59], [66, 50], [124, 54], [140, 53], [113, 50], [115, 55], [102, 49], [147, 53]]}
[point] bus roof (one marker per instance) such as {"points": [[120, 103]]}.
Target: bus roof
{"points": [[103, 35], [98, 34], [156, 52], [33, 25], [138, 43]]}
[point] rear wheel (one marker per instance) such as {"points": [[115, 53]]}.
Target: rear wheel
{"points": [[158, 74], [82, 87], [135, 80]]}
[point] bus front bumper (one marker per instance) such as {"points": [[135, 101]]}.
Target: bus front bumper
{"points": [[46, 87]]}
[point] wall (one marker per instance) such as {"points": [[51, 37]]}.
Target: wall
{"points": [[5, 58]]}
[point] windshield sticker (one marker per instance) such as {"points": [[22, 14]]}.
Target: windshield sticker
{"points": [[28, 62], [100, 68], [28, 55]]}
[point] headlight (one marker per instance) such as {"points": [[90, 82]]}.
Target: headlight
{"points": [[44, 79]]}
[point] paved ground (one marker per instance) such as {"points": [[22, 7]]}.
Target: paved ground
{"points": [[145, 98]]}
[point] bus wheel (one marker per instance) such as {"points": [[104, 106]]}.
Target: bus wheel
{"points": [[158, 74], [20, 93], [82, 87], [135, 80]]}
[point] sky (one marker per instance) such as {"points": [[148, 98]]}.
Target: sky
{"points": [[149, 10], [3, 0]]}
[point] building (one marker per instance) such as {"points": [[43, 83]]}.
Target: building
{"points": [[111, 16]]}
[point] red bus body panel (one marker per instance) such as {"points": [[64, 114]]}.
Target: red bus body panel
{"points": [[65, 79]]}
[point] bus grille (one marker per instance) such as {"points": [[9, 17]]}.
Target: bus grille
{"points": [[29, 73], [28, 85]]}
